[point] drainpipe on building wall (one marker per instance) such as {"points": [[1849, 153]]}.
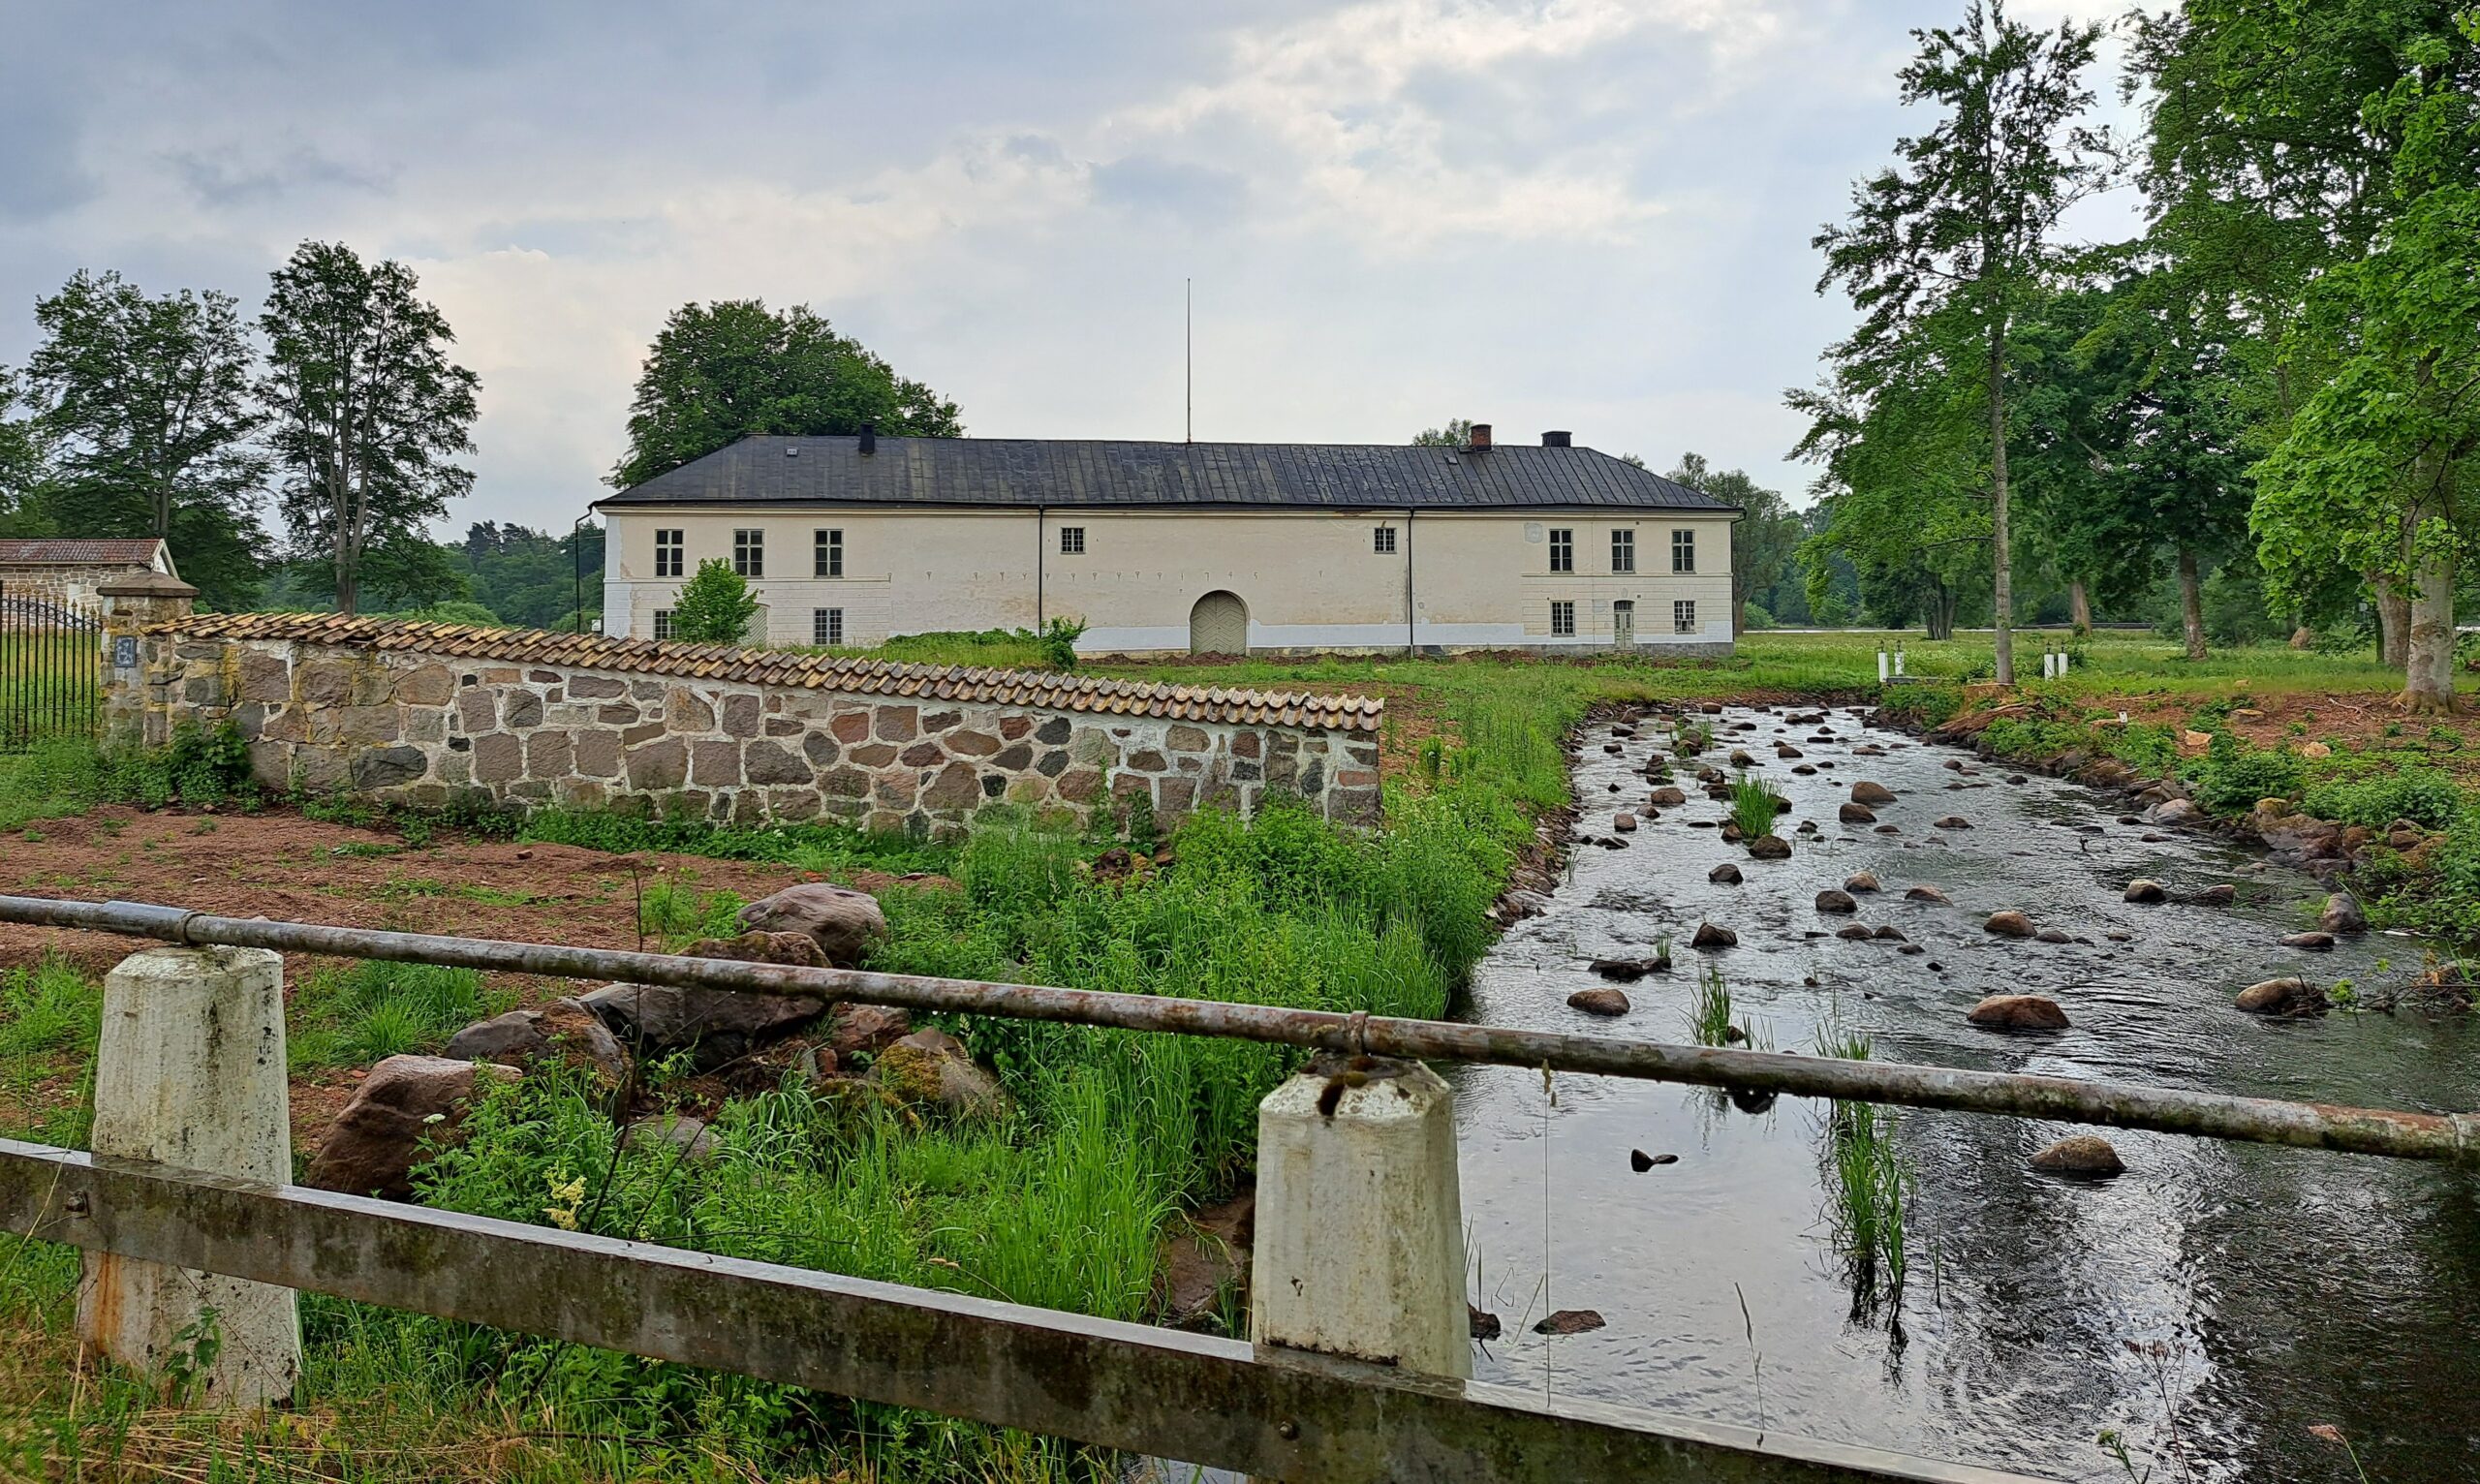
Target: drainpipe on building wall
{"points": [[1041, 535], [1411, 633]]}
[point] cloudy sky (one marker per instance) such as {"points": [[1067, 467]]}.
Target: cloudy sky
{"points": [[1583, 214]]}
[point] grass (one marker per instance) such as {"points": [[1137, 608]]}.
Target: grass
{"points": [[1709, 1014], [368, 1011], [1869, 1185], [1754, 805]]}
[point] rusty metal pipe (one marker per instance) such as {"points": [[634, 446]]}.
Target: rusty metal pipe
{"points": [[2451, 1137]]}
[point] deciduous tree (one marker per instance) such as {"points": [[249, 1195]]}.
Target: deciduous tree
{"points": [[715, 606], [1960, 228], [735, 367], [368, 412]]}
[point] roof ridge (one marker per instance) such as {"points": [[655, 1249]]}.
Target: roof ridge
{"points": [[1053, 690]]}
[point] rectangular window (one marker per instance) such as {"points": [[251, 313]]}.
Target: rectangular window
{"points": [[831, 554], [1563, 620], [826, 626], [1683, 616], [748, 553], [1384, 537], [1683, 552], [1071, 541], [663, 623], [669, 546], [1563, 551], [1623, 551]]}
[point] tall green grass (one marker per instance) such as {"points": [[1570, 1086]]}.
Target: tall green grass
{"points": [[1754, 805], [1868, 1185], [368, 1010]]}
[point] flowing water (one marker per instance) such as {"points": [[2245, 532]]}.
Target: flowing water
{"points": [[2211, 1304]]}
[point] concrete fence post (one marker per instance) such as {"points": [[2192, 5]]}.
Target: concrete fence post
{"points": [[1359, 1245], [191, 1073]]}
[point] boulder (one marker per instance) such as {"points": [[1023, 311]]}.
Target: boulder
{"points": [[1928, 894], [1786, 750], [2291, 995], [795, 950], [1708, 935], [1867, 793], [2307, 939], [1667, 797], [2172, 812], [1483, 1325], [2018, 1013], [1769, 847], [932, 1066], [719, 1025], [1599, 1001], [2051, 934], [1856, 813], [678, 1132], [1627, 970], [2082, 1154], [1569, 1322], [1741, 759], [2145, 891], [857, 1029], [1724, 874], [1832, 901], [1641, 1161], [845, 924], [2215, 896], [376, 1140], [2009, 924], [1954, 822], [563, 1031], [1889, 933], [1860, 881], [1624, 822], [1855, 931], [2342, 914]]}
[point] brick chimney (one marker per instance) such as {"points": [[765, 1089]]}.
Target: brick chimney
{"points": [[1480, 443]]}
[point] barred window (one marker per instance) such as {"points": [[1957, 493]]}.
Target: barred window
{"points": [[663, 623], [748, 553], [668, 548], [831, 554], [1683, 616], [1071, 541], [1563, 620], [826, 626], [1563, 551], [1385, 541], [1623, 551]]}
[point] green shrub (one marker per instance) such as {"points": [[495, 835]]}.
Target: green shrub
{"points": [[2424, 796], [1059, 642], [715, 606], [2232, 776]]}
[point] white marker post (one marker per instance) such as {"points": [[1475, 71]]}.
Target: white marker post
{"points": [[191, 1074]]}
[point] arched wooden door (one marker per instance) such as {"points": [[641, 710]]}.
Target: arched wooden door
{"points": [[1218, 625]]}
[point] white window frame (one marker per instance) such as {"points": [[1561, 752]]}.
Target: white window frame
{"points": [[1683, 615], [672, 552], [1071, 541], [826, 550], [827, 626], [1622, 550], [1562, 548], [662, 629], [1683, 549], [1563, 619], [749, 551], [1382, 540]]}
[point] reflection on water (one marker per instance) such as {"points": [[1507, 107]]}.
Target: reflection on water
{"points": [[2214, 1302]]}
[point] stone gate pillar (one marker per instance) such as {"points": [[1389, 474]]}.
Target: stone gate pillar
{"points": [[131, 605]]}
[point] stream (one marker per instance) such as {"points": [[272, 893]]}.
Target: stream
{"points": [[2210, 1305]]}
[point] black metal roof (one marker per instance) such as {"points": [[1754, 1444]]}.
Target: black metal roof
{"points": [[1026, 472]]}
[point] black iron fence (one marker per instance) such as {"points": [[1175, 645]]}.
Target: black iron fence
{"points": [[52, 668]]}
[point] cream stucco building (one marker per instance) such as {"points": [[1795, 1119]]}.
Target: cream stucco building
{"points": [[1202, 547]]}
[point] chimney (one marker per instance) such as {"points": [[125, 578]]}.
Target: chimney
{"points": [[1556, 440], [869, 440], [1480, 438]]}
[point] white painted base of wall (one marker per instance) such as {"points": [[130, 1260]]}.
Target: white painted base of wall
{"points": [[1382, 637]]}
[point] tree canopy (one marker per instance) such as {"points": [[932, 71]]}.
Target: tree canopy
{"points": [[727, 369]]}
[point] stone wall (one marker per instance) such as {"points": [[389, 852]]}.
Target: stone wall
{"points": [[60, 583], [422, 728]]}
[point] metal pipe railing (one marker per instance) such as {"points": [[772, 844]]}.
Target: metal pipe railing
{"points": [[2451, 1137]]}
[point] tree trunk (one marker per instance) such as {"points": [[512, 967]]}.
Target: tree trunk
{"points": [[2191, 603], [2078, 607], [2393, 624], [2003, 594], [2428, 678], [1938, 613]]}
